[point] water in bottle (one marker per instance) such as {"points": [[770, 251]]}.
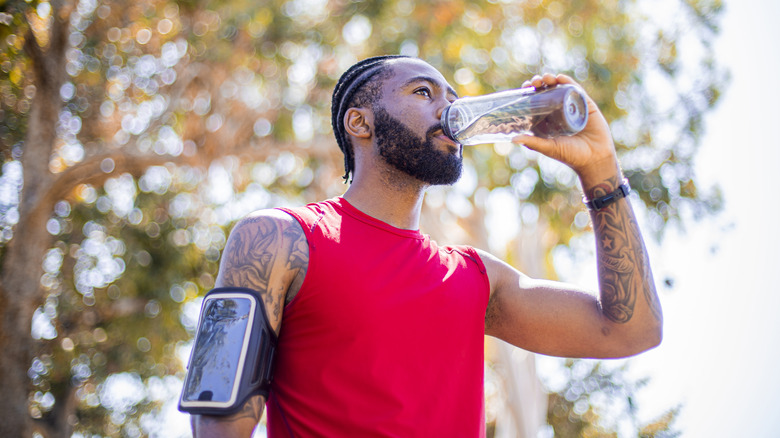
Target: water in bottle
{"points": [[546, 112]]}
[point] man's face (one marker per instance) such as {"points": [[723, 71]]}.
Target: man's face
{"points": [[408, 128], [415, 156]]}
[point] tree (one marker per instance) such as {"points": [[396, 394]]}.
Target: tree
{"points": [[134, 133], [592, 390]]}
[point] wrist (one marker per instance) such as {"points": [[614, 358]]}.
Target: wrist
{"points": [[603, 201], [603, 176]]}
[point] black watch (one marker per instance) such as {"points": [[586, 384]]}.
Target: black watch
{"points": [[597, 204]]}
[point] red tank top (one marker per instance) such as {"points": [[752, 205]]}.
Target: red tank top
{"points": [[385, 337]]}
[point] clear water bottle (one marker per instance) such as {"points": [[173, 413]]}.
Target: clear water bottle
{"points": [[547, 112]]}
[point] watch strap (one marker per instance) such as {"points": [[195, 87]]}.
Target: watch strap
{"points": [[602, 201]]}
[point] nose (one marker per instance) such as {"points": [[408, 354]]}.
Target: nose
{"points": [[442, 106]]}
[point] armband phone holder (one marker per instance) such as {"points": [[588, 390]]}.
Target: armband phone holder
{"points": [[232, 356]]}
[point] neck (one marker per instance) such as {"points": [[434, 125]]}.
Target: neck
{"points": [[392, 198]]}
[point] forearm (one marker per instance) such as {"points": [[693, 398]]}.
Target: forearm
{"points": [[626, 286]]}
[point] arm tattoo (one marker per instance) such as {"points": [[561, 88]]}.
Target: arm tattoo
{"points": [[624, 267], [266, 255], [298, 260], [253, 409]]}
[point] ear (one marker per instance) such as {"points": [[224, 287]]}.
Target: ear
{"points": [[358, 122]]}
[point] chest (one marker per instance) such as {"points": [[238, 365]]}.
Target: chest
{"points": [[360, 279]]}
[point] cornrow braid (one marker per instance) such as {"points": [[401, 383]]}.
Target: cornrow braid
{"points": [[343, 95]]}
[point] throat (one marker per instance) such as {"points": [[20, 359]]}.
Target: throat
{"points": [[392, 205]]}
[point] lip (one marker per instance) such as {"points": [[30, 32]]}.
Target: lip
{"points": [[448, 140], [440, 135]]}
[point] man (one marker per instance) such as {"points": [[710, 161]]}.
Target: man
{"points": [[381, 331]]}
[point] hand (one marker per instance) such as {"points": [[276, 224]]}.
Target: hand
{"points": [[590, 153]]}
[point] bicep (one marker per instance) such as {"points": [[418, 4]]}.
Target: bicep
{"points": [[546, 317]]}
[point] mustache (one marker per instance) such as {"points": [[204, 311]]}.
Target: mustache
{"points": [[433, 130]]}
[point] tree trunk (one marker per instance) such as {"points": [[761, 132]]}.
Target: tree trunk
{"points": [[20, 289], [526, 398], [523, 410], [55, 424]]}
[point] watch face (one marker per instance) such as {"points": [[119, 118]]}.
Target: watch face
{"points": [[219, 353]]}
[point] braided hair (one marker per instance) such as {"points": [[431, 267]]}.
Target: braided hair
{"points": [[350, 92]]}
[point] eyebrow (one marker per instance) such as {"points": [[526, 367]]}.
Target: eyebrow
{"points": [[431, 81]]}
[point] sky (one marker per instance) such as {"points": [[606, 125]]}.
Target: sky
{"points": [[721, 347]]}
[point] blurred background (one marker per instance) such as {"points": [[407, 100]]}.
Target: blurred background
{"points": [[134, 134]]}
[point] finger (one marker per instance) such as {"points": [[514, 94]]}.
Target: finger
{"points": [[549, 79], [544, 146], [536, 82], [542, 81], [565, 79]]}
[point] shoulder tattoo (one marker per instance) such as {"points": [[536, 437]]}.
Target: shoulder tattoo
{"points": [[268, 255]]}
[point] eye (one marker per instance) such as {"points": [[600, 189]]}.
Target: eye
{"points": [[423, 91]]}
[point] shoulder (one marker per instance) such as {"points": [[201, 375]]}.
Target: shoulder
{"points": [[256, 244], [267, 251], [262, 227], [262, 219], [468, 254], [259, 231], [493, 265], [500, 273]]}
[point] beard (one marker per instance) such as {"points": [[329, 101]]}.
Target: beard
{"points": [[402, 149]]}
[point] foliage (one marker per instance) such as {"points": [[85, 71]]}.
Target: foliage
{"points": [[171, 119], [593, 391]]}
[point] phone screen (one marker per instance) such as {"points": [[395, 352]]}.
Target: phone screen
{"points": [[219, 352]]}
